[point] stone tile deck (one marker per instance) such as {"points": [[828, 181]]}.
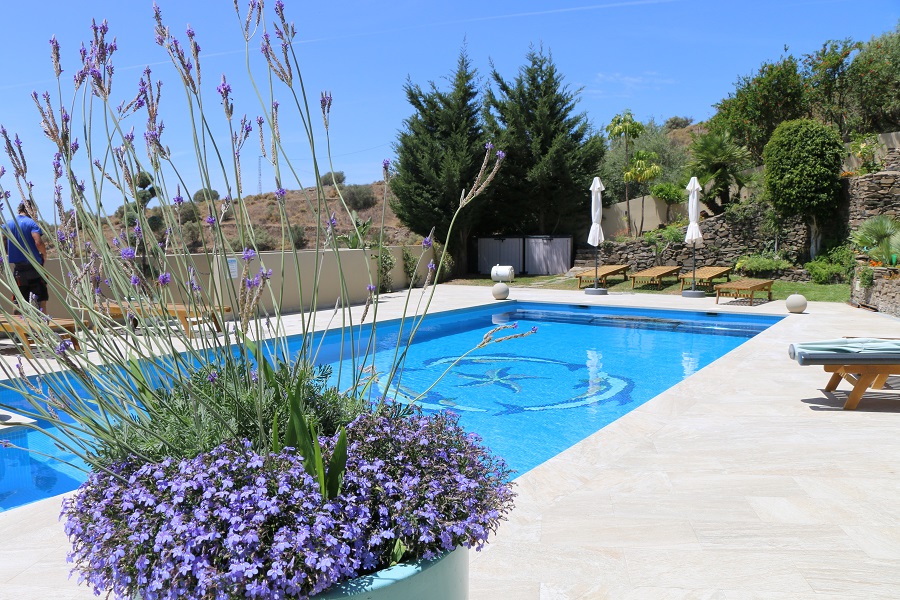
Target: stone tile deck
{"points": [[745, 481]]}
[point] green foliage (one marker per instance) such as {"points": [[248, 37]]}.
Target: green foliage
{"points": [[673, 123], [761, 102], [672, 158], [669, 193], [718, 162], [332, 178], [299, 236], [445, 260], [660, 239], [439, 152], [878, 237], [827, 83], [264, 240], [865, 147], [764, 262], [875, 84], [188, 212], [410, 262], [803, 167], [552, 151], [357, 237], [866, 277], [359, 197], [204, 195], [834, 266], [386, 262]]}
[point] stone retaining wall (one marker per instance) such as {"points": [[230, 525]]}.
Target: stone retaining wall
{"points": [[874, 194], [884, 293]]}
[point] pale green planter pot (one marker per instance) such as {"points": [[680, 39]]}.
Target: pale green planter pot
{"points": [[444, 578]]}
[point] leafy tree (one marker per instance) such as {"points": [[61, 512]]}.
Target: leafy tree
{"points": [[332, 177], [760, 103], [673, 158], [205, 195], [802, 170], [552, 151], [874, 84], [643, 170], [671, 194], [439, 152], [359, 197], [827, 84], [718, 162], [624, 127]]}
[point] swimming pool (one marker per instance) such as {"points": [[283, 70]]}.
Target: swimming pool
{"points": [[529, 398]]}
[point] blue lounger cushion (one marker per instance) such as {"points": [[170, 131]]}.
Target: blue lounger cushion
{"points": [[847, 351]]}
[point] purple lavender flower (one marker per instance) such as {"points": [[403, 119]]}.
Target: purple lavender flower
{"points": [[431, 266], [135, 280], [370, 288], [224, 89], [501, 154], [212, 377], [249, 254], [127, 253], [63, 346], [210, 220], [254, 375], [178, 200], [280, 193], [489, 146], [427, 242], [332, 222], [534, 329], [386, 164], [164, 279], [138, 232]]}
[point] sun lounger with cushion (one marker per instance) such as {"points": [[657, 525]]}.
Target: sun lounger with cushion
{"points": [[654, 275], [586, 277], [744, 288], [705, 276], [863, 362]]}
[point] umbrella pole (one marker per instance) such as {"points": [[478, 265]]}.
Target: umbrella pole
{"points": [[596, 264], [694, 264]]}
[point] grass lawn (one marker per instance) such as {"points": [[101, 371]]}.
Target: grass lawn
{"points": [[836, 292]]}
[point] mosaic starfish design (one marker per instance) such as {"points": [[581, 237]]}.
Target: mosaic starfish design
{"points": [[500, 377]]}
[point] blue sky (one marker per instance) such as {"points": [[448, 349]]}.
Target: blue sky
{"points": [[657, 57]]}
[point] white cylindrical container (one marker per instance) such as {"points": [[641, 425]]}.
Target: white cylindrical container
{"points": [[502, 273]]}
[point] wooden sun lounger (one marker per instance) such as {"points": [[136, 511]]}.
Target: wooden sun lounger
{"points": [[705, 276], [654, 275], [184, 313], [22, 330], [586, 277], [744, 288]]}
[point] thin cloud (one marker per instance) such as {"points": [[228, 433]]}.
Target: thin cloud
{"points": [[625, 85]]}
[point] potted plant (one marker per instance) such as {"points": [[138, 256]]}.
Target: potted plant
{"points": [[230, 465]]}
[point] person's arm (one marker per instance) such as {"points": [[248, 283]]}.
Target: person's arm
{"points": [[39, 244]]}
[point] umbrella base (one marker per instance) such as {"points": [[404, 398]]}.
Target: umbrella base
{"points": [[595, 291], [693, 294]]}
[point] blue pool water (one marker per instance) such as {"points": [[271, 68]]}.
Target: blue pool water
{"points": [[529, 398]]}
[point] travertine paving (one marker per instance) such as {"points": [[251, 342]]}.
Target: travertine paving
{"points": [[745, 481]]}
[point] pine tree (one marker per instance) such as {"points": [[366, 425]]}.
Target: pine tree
{"points": [[552, 152], [439, 153]]}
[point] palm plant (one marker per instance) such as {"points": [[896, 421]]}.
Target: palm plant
{"points": [[879, 238], [718, 162], [643, 170], [624, 126]]}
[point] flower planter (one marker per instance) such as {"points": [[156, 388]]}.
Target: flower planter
{"points": [[444, 578]]}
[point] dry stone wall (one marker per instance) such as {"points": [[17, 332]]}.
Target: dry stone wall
{"points": [[882, 293], [875, 194]]}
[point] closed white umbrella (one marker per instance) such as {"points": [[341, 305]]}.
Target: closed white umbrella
{"points": [[595, 236], [694, 236]]}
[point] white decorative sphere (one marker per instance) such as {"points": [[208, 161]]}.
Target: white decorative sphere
{"points": [[795, 303], [500, 291]]}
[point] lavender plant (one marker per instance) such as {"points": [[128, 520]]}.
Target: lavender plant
{"points": [[215, 456]]}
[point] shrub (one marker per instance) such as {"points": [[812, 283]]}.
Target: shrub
{"points": [[410, 262], [835, 266], [762, 263], [205, 195], [386, 262], [865, 146], [867, 277], [299, 236], [359, 197], [332, 177]]}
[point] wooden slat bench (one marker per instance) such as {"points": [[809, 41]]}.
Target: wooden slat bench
{"points": [[23, 331], [654, 275], [705, 276], [744, 288], [586, 277]]}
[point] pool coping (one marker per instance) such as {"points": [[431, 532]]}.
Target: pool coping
{"points": [[742, 481]]}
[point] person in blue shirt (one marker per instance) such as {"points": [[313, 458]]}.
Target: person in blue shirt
{"points": [[28, 237]]}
